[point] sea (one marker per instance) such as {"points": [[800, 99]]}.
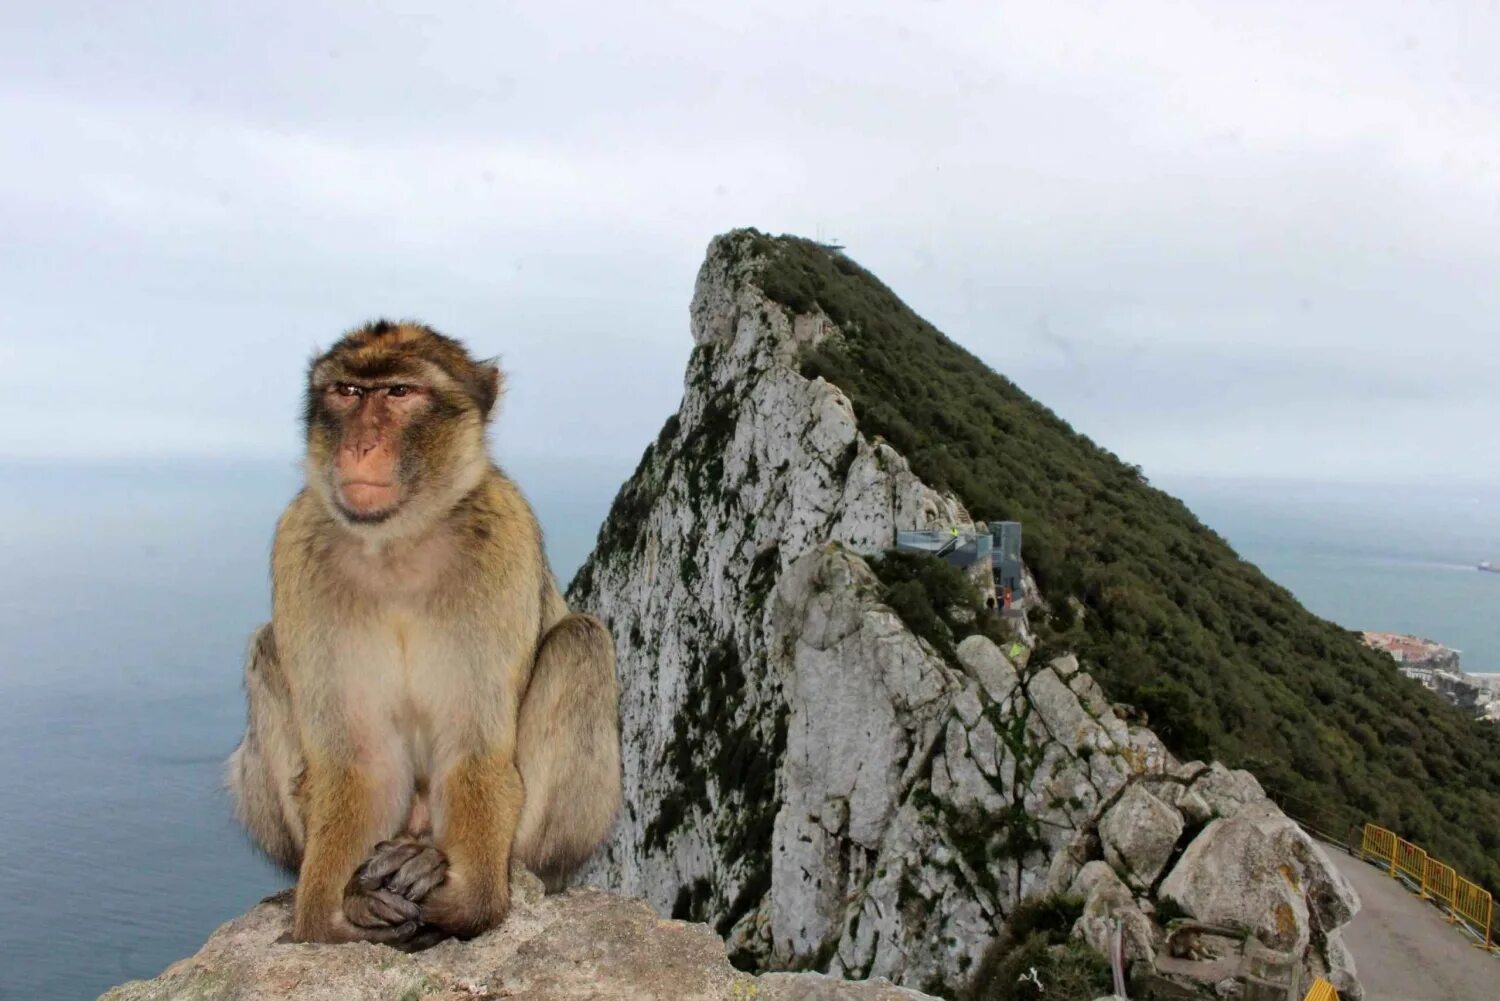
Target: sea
{"points": [[128, 592]]}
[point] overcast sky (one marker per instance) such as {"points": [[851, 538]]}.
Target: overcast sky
{"points": [[1224, 239]]}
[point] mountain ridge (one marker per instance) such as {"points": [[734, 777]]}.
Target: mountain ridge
{"points": [[825, 755], [1242, 656]]}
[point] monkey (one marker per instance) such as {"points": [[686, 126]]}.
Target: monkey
{"points": [[422, 707], [1187, 943]]}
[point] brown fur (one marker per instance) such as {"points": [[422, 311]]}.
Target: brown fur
{"points": [[421, 677]]}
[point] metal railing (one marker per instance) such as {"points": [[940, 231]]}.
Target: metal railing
{"points": [[1466, 904], [1440, 883], [1316, 818], [1321, 990], [1410, 861], [959, 548]]}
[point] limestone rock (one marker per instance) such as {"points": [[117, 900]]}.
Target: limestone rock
{"points": [[1234, 874], [1106, 901], [584, 944], [1194, 807], [1139, 833], [1227, 792], [1340, 970], [1331, 900], [984, 662]]}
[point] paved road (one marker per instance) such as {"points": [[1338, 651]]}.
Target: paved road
{"points": [[1403, 948]]}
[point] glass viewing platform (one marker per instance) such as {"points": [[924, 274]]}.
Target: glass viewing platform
{"points": [[1000, 547], [962, 549]]}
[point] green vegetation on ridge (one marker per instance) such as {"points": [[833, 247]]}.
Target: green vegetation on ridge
{"points": [[938, 602], [1036, 958], [1225, 662]]}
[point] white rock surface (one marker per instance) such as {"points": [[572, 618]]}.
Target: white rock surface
{"points": [[1107, 900]]}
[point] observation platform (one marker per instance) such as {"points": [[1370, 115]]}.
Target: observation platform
{"points": [[999, 547]]}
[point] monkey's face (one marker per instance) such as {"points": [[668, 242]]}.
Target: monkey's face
{"points": [[374, 420], [395, 425]]}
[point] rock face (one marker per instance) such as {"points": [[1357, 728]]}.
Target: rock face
{"points": [[584, 944], [831, 791]]}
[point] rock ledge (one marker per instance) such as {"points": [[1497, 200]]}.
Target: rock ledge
{"points": [[580, 944]]}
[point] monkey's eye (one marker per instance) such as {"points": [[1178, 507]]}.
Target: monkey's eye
{"points": [[347, 389], [398, 390]]}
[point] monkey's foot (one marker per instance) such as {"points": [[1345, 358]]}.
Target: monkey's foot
{"points": [[380, 915]]}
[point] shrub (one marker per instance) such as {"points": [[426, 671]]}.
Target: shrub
{"points": [[1034, 958], [938, 602]]}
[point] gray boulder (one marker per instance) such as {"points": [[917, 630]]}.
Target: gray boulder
{"points": [[1139, 833], [1235, 874], [984, 662], [1227, 791], [1331, 900], [1341, 971], [1107, 900]]}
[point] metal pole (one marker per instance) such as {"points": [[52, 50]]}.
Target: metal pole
{"points": [[1117, 958]]}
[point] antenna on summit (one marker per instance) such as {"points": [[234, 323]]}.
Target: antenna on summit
{"points": [[827, 243]]}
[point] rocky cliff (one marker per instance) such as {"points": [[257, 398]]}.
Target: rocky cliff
{"points": [[835, 784]]}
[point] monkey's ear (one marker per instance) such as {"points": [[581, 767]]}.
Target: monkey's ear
{"points": [[490, 384]]}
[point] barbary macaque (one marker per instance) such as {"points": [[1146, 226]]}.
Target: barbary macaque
{"points": [[422, 705]]}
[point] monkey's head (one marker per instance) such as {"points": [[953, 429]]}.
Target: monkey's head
{"points": [[395, 425]]}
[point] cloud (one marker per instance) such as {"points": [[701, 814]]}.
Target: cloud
{"points": [[1252, 239]]}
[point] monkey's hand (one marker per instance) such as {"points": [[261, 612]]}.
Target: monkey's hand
{"points": [[382, 898], [408, 867]]}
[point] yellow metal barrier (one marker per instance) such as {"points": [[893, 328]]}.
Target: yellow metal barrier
{"points": [[1321, 990], [1440, 883], [1474, 906], [1463, 900], [1379, 843], [1410, 860]]}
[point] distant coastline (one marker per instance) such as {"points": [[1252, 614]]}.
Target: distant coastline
{"points": [[1437, 668], [1370, 556]]}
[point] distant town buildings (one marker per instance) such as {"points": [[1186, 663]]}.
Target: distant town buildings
{"points": [[1437, 668], [1490, 684]]}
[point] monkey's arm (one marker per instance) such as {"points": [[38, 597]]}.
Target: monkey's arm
{"points": [[341, 829]]}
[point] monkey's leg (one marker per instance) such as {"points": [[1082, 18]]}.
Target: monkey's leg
{"points": [[568, 750], [478, 809], [266, 778], [264, 772]]}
